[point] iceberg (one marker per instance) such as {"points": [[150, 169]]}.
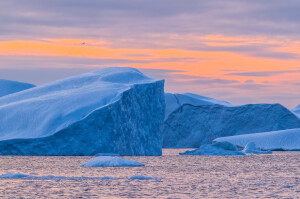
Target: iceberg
{"points": [[111, 110], [297, 110], [174, 101], [107, 161], [287, 140], [220, 148], [190, 126], [8, 87], [251, 148]]}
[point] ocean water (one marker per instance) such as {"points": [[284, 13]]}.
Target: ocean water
{"points": [[274, 175]]}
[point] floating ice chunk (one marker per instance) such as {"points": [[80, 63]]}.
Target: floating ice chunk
{"points": [[251, 148], [107, 154], [142, 177], [13, 176], [107, 161], [287, 140], [221, 148], [51, 177]]}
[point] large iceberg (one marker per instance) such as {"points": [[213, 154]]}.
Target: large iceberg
{"points": [[8, 87], [190, 126], [275, 140], [112, 110], [220, 148], [175, 100]]}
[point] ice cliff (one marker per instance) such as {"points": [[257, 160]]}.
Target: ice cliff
{"points": [[190, 126], [274, 140], [174, 101], [8, 87], [112, 110]]}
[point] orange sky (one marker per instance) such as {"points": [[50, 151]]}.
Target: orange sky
{"points": [[213, 63]]}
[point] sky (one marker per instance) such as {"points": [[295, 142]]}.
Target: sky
{"points": [[234, 50]]}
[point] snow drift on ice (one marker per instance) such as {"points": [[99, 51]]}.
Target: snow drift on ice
{"points": [[274, 140]]}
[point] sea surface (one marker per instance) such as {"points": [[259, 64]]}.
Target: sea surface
{"points": [[274, 175]]}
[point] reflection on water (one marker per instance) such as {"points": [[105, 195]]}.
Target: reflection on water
{"points": [[255, 176]]}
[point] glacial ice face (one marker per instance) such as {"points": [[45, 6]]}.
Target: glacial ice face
{"points": [[220, 148], [113, 110], [174, 101], [8, 87], [275, 140], [191, 126], [107, 161]]}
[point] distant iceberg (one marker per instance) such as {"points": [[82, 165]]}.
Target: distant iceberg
{"points": [[297, 110], [252, 148], [220, 148], [275, 140], [190, 126], [8, 87], [175, 100], [112, 110], [107, 161]]}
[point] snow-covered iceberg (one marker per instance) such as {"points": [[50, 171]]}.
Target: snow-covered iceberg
{"points": [[8, 87], [191, 126], [252, 148], [175, 100], [220, 148], [107, 161], [275, 140], [112, 110]]}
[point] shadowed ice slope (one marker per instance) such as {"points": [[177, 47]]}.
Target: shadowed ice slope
{"points": [[274, 140], [8, 87], [113, 110], [297, 110], [174, 101], [190, 126]]}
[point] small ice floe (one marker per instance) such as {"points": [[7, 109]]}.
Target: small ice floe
{"points": [[141, 177], [107, 154], [51, 177], [220, 148], [259, 184], [251, 148], [13, 176], [287, 186], [108, 161]]}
